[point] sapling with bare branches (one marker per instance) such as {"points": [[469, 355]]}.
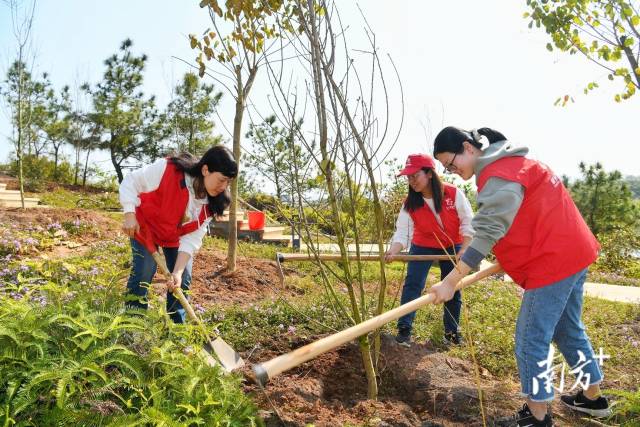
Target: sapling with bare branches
{"points": [[348, 138]]}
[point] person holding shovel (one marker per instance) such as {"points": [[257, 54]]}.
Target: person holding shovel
{"points": [[436, 219], [172, 202], [527, 217]]}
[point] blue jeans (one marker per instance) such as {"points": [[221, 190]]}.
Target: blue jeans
{"points": [[553, 313], [414, 285], [143, 269]]}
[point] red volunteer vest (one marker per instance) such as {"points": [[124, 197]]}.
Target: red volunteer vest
{"points": [[548, 240], [162, 210], [426, 227]]}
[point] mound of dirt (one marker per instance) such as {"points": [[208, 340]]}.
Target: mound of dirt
{"points": [[253, 280], [417, 387]]}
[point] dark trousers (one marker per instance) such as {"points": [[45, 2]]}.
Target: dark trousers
{"points": [[143, 268], [414, 285]]}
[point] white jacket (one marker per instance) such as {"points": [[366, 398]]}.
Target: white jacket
{"points": [[404, 223], [148, 179]]}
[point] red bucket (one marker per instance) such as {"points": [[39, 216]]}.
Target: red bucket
{"points": [[256, 220]]}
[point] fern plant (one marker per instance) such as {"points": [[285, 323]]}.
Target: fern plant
{"points": [[80, 359]]}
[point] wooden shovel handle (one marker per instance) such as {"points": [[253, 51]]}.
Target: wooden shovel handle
{"points": [[337, 257], [290, 360], [179, 294]]}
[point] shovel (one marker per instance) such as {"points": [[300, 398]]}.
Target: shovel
{"points": [[264, 371], [228, 358], [337, 257], [280, 258]]}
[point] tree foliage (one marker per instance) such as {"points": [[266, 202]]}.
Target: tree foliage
{"points": [[274, 154], [604, 199], [607, 205], [190, 116], [129, 124], [237, 45], [55, 122], [606, 32], [634, 185], [25, 95]]}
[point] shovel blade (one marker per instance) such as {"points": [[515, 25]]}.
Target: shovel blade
{"points": [[225, 354]]}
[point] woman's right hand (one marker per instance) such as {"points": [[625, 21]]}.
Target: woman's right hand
{"points": [[392, 252], [130, 224]]}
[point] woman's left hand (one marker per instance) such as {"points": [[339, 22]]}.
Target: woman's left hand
{"points": [[174, 283]]}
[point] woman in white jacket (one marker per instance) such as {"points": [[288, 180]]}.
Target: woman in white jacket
{"points": [[172, 201], [435, 219]]}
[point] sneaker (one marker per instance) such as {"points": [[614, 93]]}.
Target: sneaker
{"points": [[404, 337], [452, 338], [596, 408], [524, 418]]}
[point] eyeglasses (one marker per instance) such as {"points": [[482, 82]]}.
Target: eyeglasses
{"points": [[450, 167]]}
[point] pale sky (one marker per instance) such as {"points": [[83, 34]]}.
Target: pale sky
{"points": [[464, 63]]}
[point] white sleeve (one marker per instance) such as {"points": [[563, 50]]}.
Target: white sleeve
{"points": [[404, 229], [191, 242], [463, 207], [139, 181]]}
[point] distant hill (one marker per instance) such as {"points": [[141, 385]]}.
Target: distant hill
{"points": [[634, 185]]}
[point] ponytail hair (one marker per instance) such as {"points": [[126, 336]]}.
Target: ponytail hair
{"points": [[451, 138], [218, 159]]}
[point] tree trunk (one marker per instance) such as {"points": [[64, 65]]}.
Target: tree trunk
{"points": [[86, 169], [378, 214], [365, 351], [278, 190], [233, 208], [117, 167], [19, 154], [326, 169], [19, 144], [191, 129], [56, 149], [77, 166]]}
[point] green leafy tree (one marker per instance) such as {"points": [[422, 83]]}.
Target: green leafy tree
{"points": [[604, 199], [83, 136], [606, 32], [634, 185], [236, 44], [22, 23], [273, 152], [38, 109], [619, 252], [29, 111], [267, 155], [55, 121], [190, 115], [129, 125]]}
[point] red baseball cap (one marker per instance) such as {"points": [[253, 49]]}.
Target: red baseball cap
{"points": [[416, 162]]}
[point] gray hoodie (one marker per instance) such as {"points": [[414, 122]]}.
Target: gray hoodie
{"points": [[498, 203]]}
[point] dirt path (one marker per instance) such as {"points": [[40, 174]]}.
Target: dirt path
{"points": [[628, 294]]}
